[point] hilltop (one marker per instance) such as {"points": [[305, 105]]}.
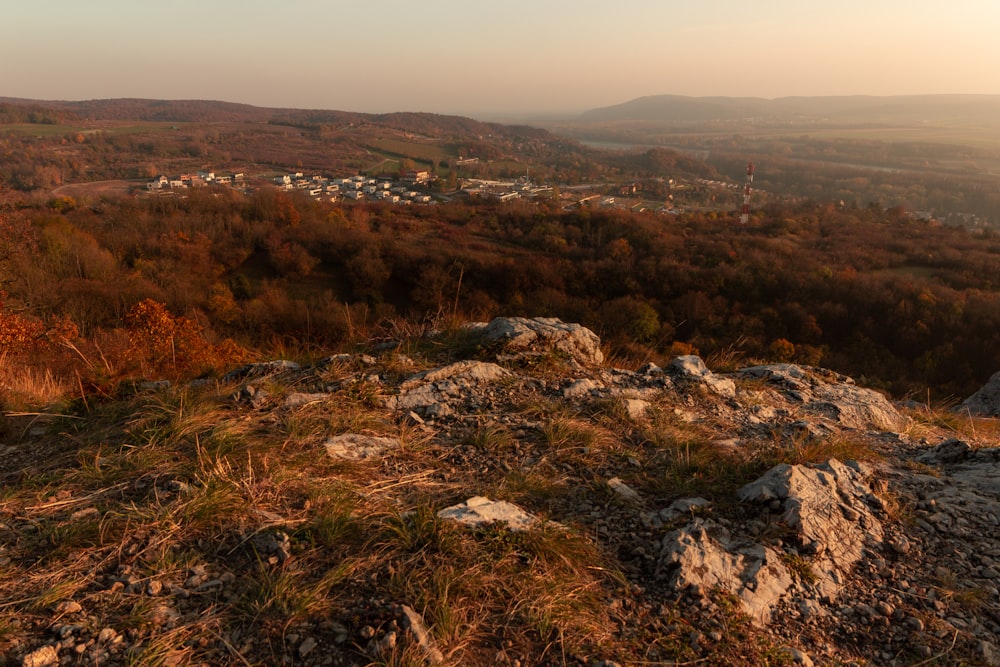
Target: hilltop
{"points": [[853, 109], [496, 494]]}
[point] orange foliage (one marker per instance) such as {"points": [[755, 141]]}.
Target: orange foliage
{"points": [[18, 334], [162, 343], [679, 348]]}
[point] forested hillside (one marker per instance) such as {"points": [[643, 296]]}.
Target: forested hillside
{"points": [[908, 306]]}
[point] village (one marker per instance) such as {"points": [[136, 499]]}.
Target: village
{"points": [[417, 187]]}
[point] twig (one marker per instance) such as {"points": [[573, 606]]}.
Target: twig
{"points": [[83, 394], [972, 422], [384, 486], [232, 649], [41, 414], [939, 655], [75, 501], [14, 603]]}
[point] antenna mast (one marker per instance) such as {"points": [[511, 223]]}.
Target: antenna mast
{"points": [[745, 214]]}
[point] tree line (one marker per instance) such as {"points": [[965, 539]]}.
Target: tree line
{"points": [[902, 305]]}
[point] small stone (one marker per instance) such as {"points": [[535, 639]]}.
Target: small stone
{"points": [[884, 608], [387, 643], [849, 513], [306, 647], [798, 657], [367, 632], [85, 513], [989, 653], [45, 656], [623, 489], [414, 623], [106, 636], [154, 587], [69, 607]]}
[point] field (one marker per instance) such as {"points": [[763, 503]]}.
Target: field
{"points": [[416, 150]]}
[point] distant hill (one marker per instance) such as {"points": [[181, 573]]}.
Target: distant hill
{"points": [[984, 109], [210, 111]]}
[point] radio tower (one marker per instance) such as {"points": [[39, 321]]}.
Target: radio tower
{"points": [[745, 214]]}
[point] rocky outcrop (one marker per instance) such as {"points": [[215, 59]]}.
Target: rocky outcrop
{"points": [[836, 562], [829, 508], [823, 396], [434, 393], [985, 402], [520, 337]]}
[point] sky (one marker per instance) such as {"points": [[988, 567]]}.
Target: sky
{"points": [[489, 59]]}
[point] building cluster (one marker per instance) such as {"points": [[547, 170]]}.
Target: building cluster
{"points": [[199, 179], [408, 189], [504, 190], [393, 191]]}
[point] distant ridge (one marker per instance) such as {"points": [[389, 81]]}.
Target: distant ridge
{"points": [[207, 111], [853, 109]]}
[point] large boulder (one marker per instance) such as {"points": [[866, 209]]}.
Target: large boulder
{"points": [[521, 337]]}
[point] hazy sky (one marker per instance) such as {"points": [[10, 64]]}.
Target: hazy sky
{"points": [[481, 58]]}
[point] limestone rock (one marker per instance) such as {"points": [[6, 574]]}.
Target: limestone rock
{"points": [[261, 370], [42, 657], [949, 451], [431, 392], [703, 556], [826, 395], [539, 335], [357, 447], [479, 511], [692, 369], [828, 507], [413, 622], [986, 401]]}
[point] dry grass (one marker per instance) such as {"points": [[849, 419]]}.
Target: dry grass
{"points": [[178, 479], [944, 421], [26, 388], [179, 488]]}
